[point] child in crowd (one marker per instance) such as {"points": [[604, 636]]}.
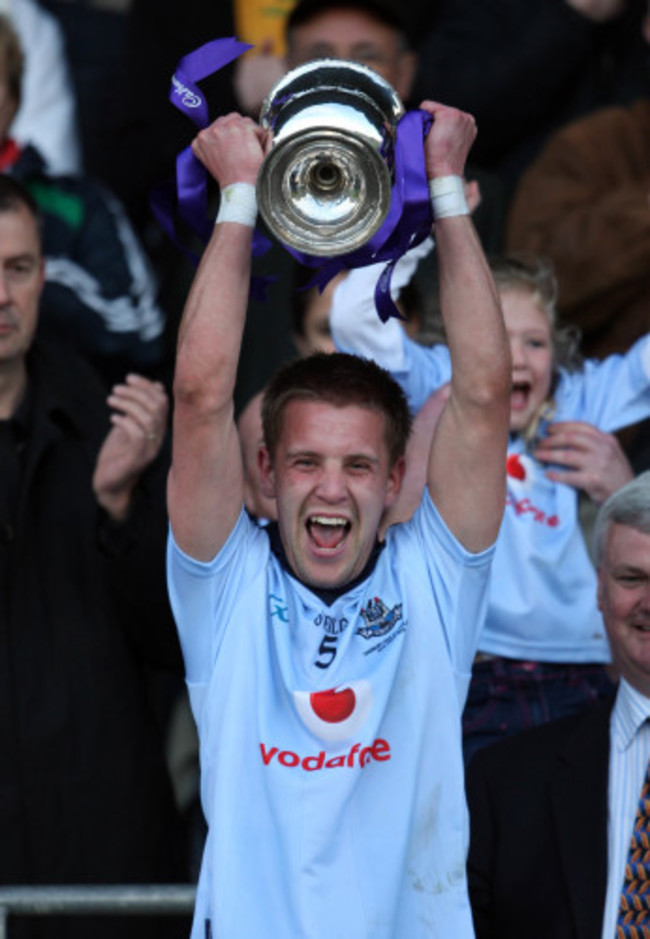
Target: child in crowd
{"points": [[543, 651]]}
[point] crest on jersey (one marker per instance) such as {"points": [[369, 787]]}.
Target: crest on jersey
{"points": [[378, 619]]}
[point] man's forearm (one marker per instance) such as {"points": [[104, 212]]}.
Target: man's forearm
{"points": [[206, 486], [211, 330], [466, 472], [471, 312]]}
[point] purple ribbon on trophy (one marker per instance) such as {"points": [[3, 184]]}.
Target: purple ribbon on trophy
{"points": [[189, 194], [191, 181], [407, 223]]}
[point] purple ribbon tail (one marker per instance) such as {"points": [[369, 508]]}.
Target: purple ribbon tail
{"points": [[260, 244], [191, 185], [184, 93], [384, 303], [187, 197], [260, 285], [162, 202]]}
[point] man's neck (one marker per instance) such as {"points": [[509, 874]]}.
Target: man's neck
{"points": [[327, 594]]}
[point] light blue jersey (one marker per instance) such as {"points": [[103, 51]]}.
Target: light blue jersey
{"points": [[332, 776], [542, 603]]}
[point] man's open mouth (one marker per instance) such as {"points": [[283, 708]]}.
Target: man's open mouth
{"points": [[327, 531]]}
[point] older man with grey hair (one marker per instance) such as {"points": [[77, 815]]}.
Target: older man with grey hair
{"points": [[558, 815]]}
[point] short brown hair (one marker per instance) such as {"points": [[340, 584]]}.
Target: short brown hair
{"points": [[338, 379], [14, 196]]}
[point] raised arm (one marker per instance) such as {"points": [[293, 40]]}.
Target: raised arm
{"points": [[205, 488], [466, 472]]}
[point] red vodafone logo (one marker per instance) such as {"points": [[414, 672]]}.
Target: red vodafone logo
{"points": [[356, 756], [337, 713]]}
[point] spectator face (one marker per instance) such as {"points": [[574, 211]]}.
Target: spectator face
{"points": [[331, 478], [624, 600], [531, 345], [358, 37], [21, 281], [251, 437], [316, 334]]}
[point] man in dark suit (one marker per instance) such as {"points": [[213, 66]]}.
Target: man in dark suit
{"points": [[85, 797], [552, 811]]}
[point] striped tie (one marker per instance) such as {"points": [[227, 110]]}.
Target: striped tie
{"points": [[634, 909]]}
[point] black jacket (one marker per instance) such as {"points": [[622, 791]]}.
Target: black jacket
{"points": [[538, 821], [84, 791]]}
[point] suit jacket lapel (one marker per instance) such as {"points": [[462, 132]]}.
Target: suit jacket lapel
{"points": [[579, 788]]}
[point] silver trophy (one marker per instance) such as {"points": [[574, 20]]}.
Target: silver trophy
{"points": [[325, 185]]}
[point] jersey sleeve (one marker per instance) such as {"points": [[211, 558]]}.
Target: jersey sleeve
{"points": [[613, 393], [357, 329], [459, 580], [202, 595]]}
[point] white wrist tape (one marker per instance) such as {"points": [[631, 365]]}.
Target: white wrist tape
{"points": [[238, 204], [447, 197]]}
